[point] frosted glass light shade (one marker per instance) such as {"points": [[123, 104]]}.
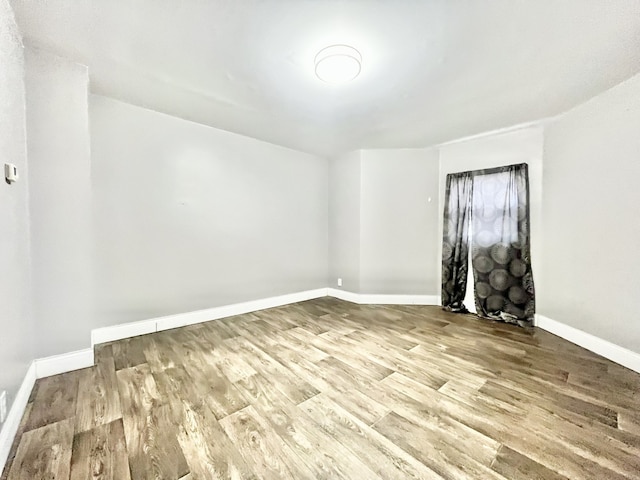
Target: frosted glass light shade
{"points": [[338, 64]]}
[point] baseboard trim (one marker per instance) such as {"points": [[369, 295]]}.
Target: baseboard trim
{"points": [[118, 332], [343, 295], [12, 422], [38, 368], [66, 362], [126, 330], [123, 330], [615, 353], [383, 299]]}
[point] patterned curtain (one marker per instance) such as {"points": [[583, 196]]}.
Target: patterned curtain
{"points": [[495, 203], [455, 245], [501, 255]]}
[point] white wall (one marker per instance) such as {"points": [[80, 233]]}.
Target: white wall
{"points": [[344, 221], [189, 217], [399, 222], [519, 146], [60, 196], [591, 220], [16, 322], [167, 216]]}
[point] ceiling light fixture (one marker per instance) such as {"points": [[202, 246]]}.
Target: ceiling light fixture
{"points": [[337, 64]]}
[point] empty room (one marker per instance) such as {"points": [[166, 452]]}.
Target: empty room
{"points": [[304, 239]]}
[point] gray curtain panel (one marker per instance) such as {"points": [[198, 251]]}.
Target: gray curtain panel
{"points": [[455, 246], [497, 209]]}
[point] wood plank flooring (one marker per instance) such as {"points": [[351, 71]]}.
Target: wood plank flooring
{"points": [[327, 389]]}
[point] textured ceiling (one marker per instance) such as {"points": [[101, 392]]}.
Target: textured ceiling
{"points": [[433, 70]]}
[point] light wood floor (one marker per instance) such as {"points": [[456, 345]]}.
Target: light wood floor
{"points": [[329, 389]]}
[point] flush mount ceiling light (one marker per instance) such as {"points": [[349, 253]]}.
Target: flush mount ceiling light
{"points": [[337, 64]]}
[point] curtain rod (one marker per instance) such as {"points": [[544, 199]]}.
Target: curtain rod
{"points": [[488, 171]]}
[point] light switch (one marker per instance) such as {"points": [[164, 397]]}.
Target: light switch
{"points": [[10, 173]]}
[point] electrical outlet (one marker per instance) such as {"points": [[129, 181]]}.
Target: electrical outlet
{"points": [[3, 406], [339, 282]]}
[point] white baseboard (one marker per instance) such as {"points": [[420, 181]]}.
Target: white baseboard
{"points": [[344, 295], [66, 362], [175, 321], [12, 422], [611, 351], [38, 368], [117, 332], [122, 330], [400, 299], [126, 330], [383, 299]]}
